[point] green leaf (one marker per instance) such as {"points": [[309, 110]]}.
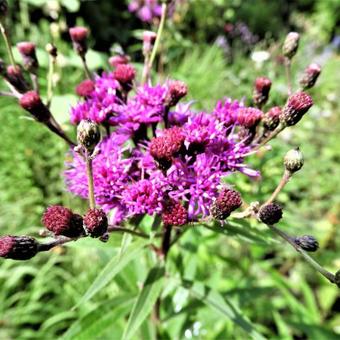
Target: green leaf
{"points": [[147, 298], [217, 302], [116, 264], [100, 319]]}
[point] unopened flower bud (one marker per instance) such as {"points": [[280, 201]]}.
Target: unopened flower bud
{"points": [[261, 90], [32, 103], [85, 88], [27, 51], [79, 39], [51, 50], [125, 74], [310, 76], [174, 214], [272, 118], [18, 247], [118, 59], [16, 78], [249, 117], [62, 221], [307, 243], [297, 105], [3, 9], [176, 91], [293, 160], [149, 38], [291, 44], [95, 222], [88, 134], [227, 201], [270, 213], [165, 147]]}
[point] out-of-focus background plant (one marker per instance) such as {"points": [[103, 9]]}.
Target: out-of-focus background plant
{"points": [[218, 47]]}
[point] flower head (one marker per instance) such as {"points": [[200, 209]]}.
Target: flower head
{"points": [[95, 222], [18, 247]]}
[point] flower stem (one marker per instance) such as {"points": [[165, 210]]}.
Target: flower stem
{"points": [[271, 136], [328, 275], [159, 34], [89, 172], [35, 83], [288, 75], [5, 35], [51, 67], [284, 180], [86, 69]]}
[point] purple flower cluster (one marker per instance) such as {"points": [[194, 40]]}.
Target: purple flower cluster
{"points": [[156, 153]]}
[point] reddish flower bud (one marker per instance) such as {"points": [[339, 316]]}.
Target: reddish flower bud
{"points": [[310, 76], [27, 51], [32, 103], [249, 117], [15, 77], [78, 34], [165, 147], [291, 44], [95, 222], [297, 105], [174, 214], [85, 88], [227, 201], [261, 90], [118, 59], [18, 247], [79, 38], [176, 91], [272, 118], [270, 213], [62, 221], [125, 74]]}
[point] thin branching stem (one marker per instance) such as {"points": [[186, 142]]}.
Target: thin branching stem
{"points": [[284, 180], [89, 172], [288, 75], [328, 275], [51, 67], [86, 69], [159, 35], [5, 35]]}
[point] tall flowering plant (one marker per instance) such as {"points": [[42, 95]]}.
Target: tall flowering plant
{"points": [[142, 149]]}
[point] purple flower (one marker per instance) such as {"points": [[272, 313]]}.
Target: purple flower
{"points": [[144, 197], [226, 112]]}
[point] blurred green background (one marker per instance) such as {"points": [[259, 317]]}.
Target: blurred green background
{"points": [[214, 46]]}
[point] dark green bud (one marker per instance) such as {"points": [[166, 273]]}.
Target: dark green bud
{"points": [[88, 134], [293, 160]]}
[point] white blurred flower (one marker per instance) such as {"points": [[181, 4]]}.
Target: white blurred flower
{"points": [[259, 57]]}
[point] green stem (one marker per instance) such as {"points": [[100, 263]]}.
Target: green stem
{"points": [[5, 35], [288, 75], [271, 136], [89, 172], [159, 34], [284, 180], [329, 276], [51, 65]]}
